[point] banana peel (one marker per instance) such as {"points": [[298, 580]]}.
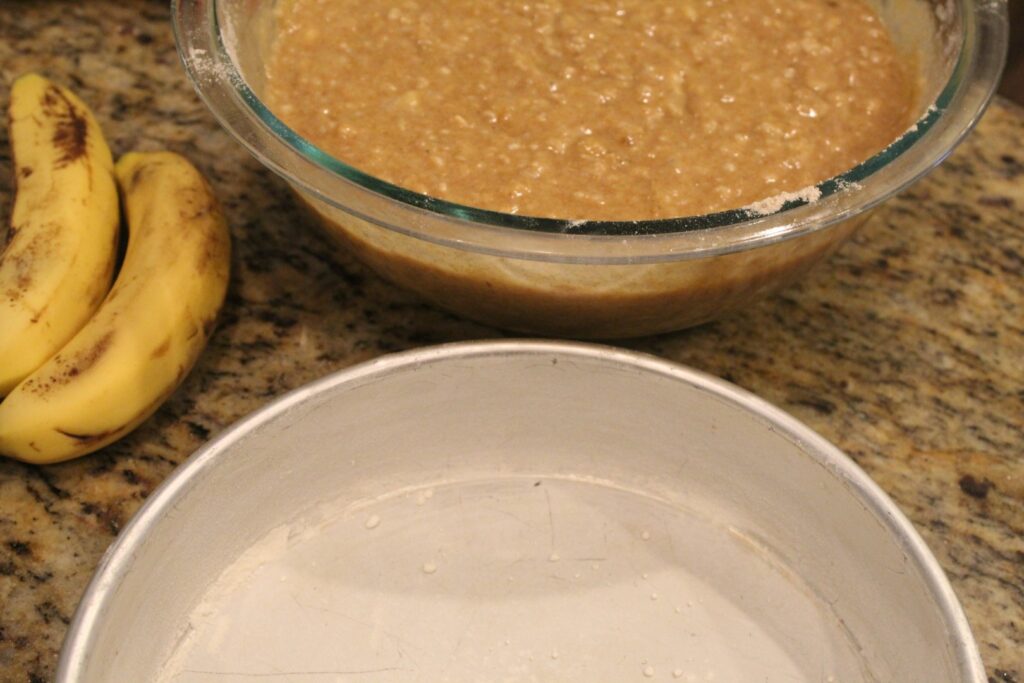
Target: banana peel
{"points": [[62, 241], [146, 334]]}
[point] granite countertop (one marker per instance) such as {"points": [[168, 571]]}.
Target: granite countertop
{"points": [[906, 348]]}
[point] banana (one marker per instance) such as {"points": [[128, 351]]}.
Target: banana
{"points": [[62, 242], [148, 332]]}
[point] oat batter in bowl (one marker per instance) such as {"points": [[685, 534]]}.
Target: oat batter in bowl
{"points": [[472, 152], [613, 110]]}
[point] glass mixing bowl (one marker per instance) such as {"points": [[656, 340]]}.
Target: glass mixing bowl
{"points": [[595, 278]]}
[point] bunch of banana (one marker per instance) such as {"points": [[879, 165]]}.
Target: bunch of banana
{"points": [[84, 366]]}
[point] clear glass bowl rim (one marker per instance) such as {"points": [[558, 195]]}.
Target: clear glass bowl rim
{"points": [[943, 125]]}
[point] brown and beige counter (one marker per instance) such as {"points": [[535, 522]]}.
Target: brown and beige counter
{"points": [[906, 348]]}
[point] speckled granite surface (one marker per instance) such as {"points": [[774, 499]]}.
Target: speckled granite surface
{"points": [[906, 348]]}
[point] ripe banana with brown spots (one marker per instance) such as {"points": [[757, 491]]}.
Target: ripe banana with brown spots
{"points": [[148, 332], [62, 240]]}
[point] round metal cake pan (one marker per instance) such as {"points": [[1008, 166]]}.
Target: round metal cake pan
{"points": [[519, 511]]}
